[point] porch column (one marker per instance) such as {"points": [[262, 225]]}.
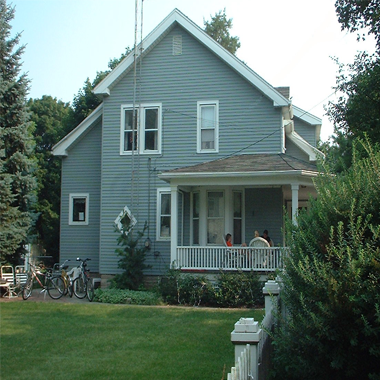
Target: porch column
{"points": [[174, 226], [295, 189]]}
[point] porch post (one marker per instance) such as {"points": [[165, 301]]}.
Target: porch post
{"points": [[295, 189], [174, 226]]}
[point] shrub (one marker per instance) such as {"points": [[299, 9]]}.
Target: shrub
{"points": [[230, 290], [121, 296], [239, 289], [332, 280]]}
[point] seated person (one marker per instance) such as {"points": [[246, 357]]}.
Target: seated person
{"points": [[267, 238], [256, 234], [229, 241]]}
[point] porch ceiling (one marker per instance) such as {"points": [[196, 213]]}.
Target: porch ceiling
{"points": [[249, 168]]}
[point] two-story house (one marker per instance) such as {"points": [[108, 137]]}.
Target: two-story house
{"points": [[192, 141]]}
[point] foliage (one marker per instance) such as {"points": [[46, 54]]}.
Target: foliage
{"points": [[86, 101], [121, 296], [17, 183], [331, 286], [359, 14], [356, 113], [132, 260], [218, 28], [51, 118], [238, 289]]}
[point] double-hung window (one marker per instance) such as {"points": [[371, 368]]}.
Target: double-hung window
{"points": [[163, 214], [141, 129], [208, 127]]}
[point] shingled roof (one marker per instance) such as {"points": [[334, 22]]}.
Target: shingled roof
{"points": [[249, 163]]}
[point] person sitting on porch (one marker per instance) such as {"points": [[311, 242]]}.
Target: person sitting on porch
{"points": [[229, 241], [257, 234], [267, 238]]}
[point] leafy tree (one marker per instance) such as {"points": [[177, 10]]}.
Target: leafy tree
{"points": [[331, 285], [17, 183], [86, 101], [356, 114], [360, 14], [219, 29], [51, 120]]}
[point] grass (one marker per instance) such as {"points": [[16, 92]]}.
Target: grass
{"points": [[98, 341]]}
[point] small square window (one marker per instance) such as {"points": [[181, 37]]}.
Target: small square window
{"points": [[78, 209]]}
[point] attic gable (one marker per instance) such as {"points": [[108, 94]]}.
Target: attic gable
{"points": [[104, 88]]}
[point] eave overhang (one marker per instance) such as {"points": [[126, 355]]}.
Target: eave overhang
{"points": [[61, 148]]}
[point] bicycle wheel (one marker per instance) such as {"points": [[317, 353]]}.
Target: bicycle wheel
{"points": [[79, 287], [90, 289], [28, 287], [55, 287]]}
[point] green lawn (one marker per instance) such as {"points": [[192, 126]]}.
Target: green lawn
{"points": [[101, 341]]}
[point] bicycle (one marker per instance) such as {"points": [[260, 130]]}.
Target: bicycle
{"points": [[83, 285], [67, 276], [53, 285]]}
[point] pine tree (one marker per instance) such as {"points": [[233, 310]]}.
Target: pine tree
{"points": [[17, 183]]}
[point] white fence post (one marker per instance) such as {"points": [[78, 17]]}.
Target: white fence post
{"points": [[270, 289], [247, 331]]}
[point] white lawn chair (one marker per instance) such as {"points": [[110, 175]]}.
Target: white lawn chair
{"points": [[21, 276], [8, 281], [260, 244]]}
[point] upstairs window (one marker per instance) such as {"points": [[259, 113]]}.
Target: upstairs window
{"points": [[140, 129], [208, 127]]}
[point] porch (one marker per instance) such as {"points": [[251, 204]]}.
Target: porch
{"points": [[230, 258]]}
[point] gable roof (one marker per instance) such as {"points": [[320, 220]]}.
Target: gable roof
{"points": [[178, 18]]}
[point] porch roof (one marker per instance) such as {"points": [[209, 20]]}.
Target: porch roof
{"points": [[280, 166]]}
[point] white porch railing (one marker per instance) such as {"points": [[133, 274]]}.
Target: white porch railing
{"points": [[230, 258]]}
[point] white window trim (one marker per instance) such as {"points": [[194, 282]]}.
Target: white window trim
{"points": [[140, 127], [160, 191], [199, 124], [72, 196]]}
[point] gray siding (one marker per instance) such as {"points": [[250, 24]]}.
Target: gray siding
{"points": [[305, 130], [81, 173], [177, 82], [264, 212], [294, 151]]}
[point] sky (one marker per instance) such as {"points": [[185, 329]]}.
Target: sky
{"points": [[288, 43]]}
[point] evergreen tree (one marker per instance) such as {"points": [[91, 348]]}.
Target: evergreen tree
{"points": [[17, 183]]}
